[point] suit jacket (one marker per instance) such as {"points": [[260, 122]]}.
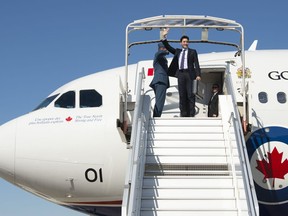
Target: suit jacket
{"points": [[160, 66], [193, 63], [213, 105]]}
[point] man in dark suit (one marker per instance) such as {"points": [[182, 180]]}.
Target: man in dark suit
{"points": [[213, 102], [160, 81], [184, 66]]}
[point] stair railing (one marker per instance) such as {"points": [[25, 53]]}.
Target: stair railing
{"points": [[137, 151], [252, 202], [227, 116]]}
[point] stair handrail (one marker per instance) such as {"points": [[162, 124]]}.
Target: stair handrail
{"points": [[233, 167], [250, 192], [227, 116], [130, 202]]}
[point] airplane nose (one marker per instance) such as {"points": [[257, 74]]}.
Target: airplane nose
{"points": [[7, 150]]}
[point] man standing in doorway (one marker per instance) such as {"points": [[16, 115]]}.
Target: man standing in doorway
{"points": [[213, 102], [184, 66]]}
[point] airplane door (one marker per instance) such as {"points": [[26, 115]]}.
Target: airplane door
{"points": [[209, 77], [201, 107]]}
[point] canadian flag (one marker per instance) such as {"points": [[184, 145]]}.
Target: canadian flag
{"points": [[150, 71]]}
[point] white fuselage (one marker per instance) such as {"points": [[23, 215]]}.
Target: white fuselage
{"points": [[77, 155]]}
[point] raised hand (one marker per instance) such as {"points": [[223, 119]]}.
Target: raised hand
{"points": [[164, 33]]}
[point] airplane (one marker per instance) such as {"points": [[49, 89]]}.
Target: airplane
{"points": [[74, 148]]}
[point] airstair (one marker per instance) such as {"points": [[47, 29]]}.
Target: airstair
{"points": [[188, 166], [188, 169]]}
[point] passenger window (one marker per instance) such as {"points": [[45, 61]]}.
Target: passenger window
{"points": [[262, 96], [281, 97], [90, 98], [67, 100]]}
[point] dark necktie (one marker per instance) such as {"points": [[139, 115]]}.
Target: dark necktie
{"points": [[212, 96], [182, 59]]}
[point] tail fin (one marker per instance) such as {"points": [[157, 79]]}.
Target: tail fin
{"points": [[253, 46]]}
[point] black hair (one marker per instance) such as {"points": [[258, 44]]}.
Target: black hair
{"points": [[184, 37]]}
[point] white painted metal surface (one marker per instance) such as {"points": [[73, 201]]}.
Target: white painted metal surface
{"points": [[190, 168]]}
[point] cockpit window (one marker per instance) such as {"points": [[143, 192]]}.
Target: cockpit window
{"points": [[262, 96], [281, 97], [67, 100], [90, 98], [46, 102]]}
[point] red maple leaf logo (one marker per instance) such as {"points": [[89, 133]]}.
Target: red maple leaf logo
{"points": [[273, 166], [68, 118]]}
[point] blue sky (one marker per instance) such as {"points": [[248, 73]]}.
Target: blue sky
{"points": [[46, 43]]}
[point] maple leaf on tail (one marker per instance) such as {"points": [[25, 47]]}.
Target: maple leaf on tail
{"points": [[273, 167]]}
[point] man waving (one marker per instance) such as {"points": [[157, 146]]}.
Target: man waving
{"points": [[184, 66]]}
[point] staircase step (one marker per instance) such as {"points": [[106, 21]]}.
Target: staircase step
{"points": [[190, 182], [186, 151], [192, 204], [187, 173], [189, 151], [214, 212], [191, 193], [199, 159], [186, 121], [186, 169], [185, 129], [205, 144], [186, 136]]}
